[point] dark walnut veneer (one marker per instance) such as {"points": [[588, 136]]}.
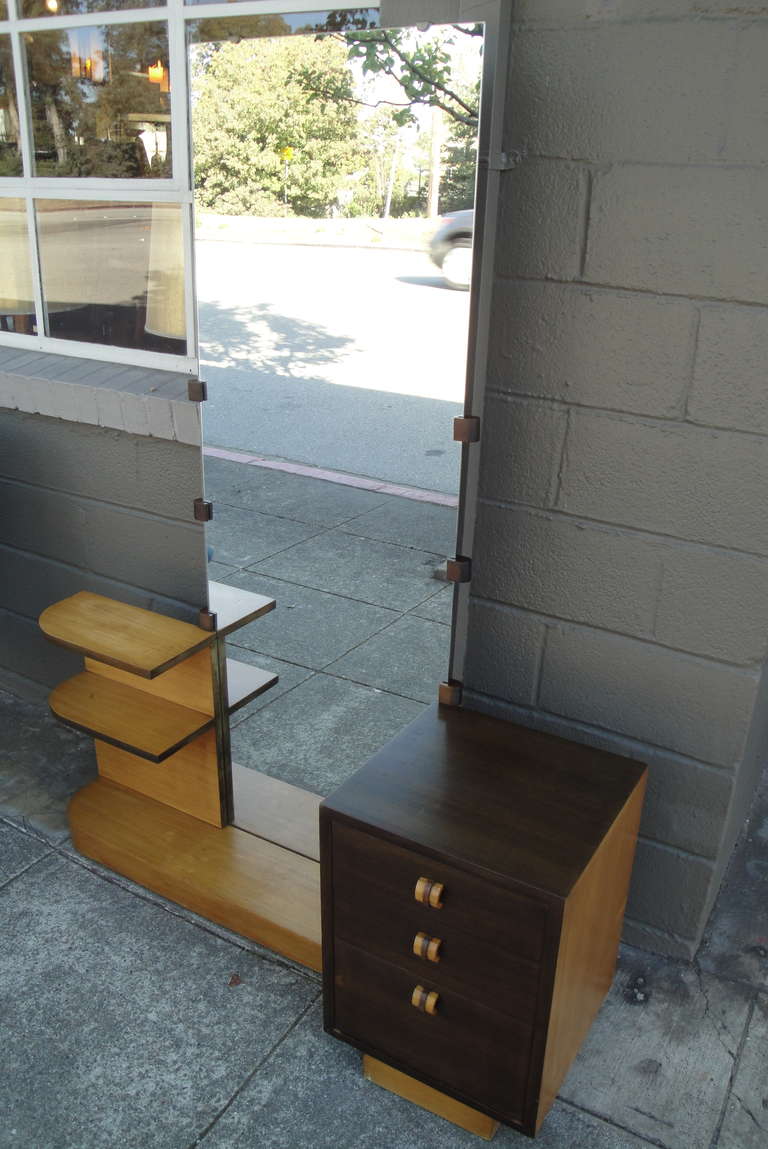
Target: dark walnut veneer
{"points": [[532, 839]]}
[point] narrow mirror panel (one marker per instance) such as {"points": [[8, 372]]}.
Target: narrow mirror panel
{"points": [[334, 189]]}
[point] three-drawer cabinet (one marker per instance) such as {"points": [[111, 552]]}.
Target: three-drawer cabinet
{"points": [[474, 879]]}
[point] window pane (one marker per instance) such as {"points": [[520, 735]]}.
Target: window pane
{"points": [[288, 24], [101, 101], [10, 153], [113, 273], [31, 8], [17, 309], [3, 10]]}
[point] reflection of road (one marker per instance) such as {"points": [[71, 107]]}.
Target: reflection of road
{"points": [[350, 358]]}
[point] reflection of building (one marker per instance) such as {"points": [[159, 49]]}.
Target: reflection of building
{"points": [[620, 552]]}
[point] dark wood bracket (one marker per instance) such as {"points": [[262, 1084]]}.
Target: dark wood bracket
{"points": [[466, 429], [197, 391], [206, 620], [449, 693], [203, 511], [458, 569]]}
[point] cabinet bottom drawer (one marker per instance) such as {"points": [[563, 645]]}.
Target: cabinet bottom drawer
{"points": [[462, 1047]]}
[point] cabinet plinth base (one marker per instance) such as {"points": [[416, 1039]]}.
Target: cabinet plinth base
{"points": [[248, 885], [427, 1098]]}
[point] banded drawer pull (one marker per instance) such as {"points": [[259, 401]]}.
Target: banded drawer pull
{"points": [[426, 947], [429, 893], [425, 1000]]}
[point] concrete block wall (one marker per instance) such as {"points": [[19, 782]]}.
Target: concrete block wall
{"points": [[620, 577], [87, 507]]}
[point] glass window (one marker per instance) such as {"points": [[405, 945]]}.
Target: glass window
{"points": [[30, 8], [113, 273], [101, 101], [10, 152], [3, 10], [288, 24], [17, 308]]}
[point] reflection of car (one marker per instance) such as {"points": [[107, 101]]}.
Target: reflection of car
{"points": [[451, 248]]}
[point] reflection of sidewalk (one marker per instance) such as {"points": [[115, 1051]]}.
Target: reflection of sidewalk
{"points": [[392, 234], [361, 630]]}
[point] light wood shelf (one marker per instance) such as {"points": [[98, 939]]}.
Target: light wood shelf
{"points": [[131, 719], [235, 607], [128, 637], [246, 682]]}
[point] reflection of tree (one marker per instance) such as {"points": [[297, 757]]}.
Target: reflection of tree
{"points": [[91, 95], [258, 139]]}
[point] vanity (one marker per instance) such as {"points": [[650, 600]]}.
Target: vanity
{"points": [[474, 878]]}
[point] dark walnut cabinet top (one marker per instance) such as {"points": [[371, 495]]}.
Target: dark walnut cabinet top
{"points": [[515, 805]]}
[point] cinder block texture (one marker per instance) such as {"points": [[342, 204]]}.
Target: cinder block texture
{"points": [[29, 583], [575, 12], [669, 889], [144, 550], [521, 454], [730, 382], [592, 347], [680, 230], [693, 598], [397, 13], [657, 92], [689, 705], [503, 659], [685, 803], [99, 463], [542, 220], [679, 480], [713, 602], [555, 566], [86, 508]]}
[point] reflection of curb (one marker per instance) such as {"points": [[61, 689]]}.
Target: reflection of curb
{"points": [[370, 234], [344, 478], [288, 242]]}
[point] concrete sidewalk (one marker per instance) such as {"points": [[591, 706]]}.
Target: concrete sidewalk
{"points": [[127, 1021]]}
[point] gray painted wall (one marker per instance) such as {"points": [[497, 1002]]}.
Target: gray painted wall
{"points": [[620, 580], [90, 508]]}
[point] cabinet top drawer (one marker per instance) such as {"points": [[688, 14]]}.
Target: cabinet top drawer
{"points": [[383, 877]]}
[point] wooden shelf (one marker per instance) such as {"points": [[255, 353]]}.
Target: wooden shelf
{"points": [[128, 637], [235, 607], [277, 811], [246, 682], [251, 886], [130, 719]]}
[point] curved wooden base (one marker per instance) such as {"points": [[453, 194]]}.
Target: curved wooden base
{"points": [[240, 881]]}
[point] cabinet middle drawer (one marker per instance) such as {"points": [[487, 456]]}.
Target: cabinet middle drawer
{"points": [[386, 880]]}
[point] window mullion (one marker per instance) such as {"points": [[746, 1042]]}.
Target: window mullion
{"points": [[37, 271], [22, 103]]}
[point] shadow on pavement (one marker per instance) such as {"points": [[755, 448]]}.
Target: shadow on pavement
{"points": [[265, 398]]}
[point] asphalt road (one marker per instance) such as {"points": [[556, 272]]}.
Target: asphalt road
{"points": [[347, 358]]}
